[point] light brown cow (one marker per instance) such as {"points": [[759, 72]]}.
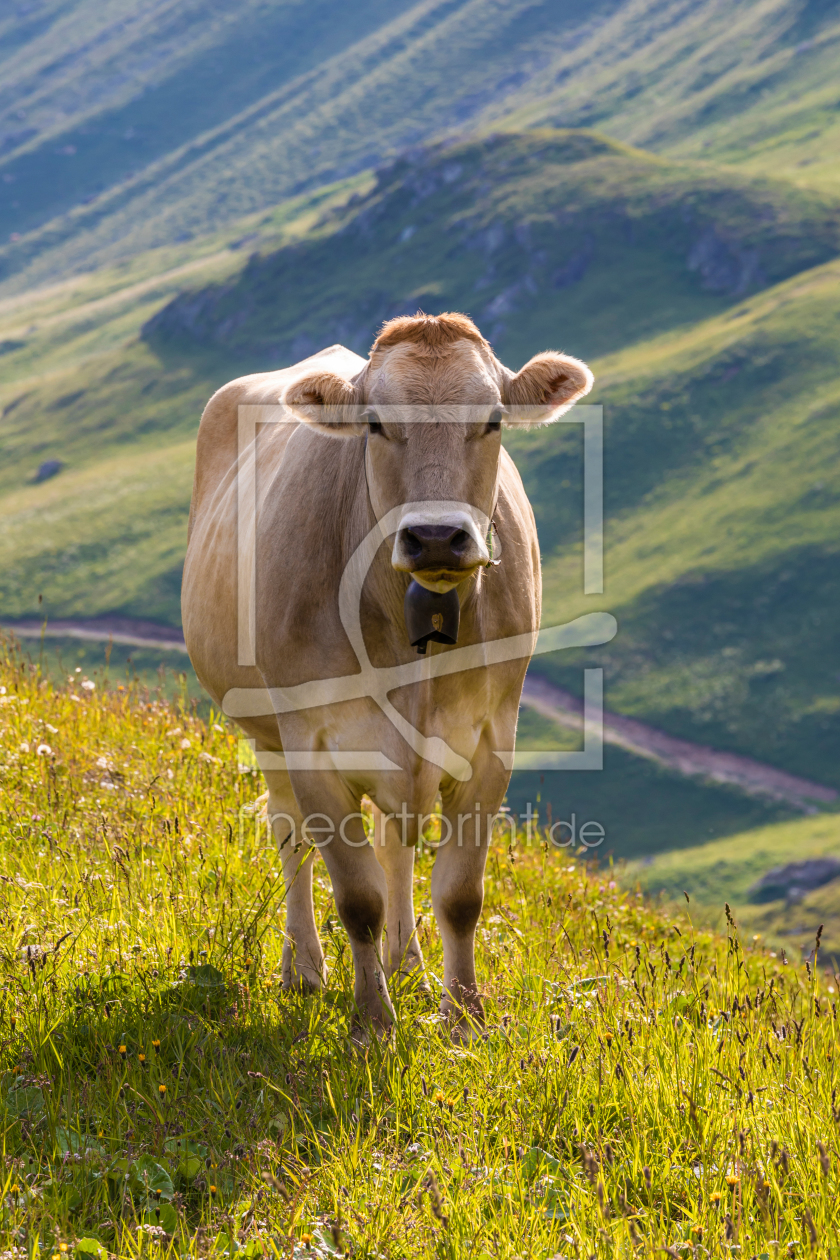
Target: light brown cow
{"points": [[404, 446]]}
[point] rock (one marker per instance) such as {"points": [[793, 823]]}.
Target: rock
{"points": [[48, 469], [793, 881]]}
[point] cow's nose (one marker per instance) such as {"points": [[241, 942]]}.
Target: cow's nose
{"points": [[435, 546]]}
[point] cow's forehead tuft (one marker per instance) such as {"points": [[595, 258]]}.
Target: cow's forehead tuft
{"points": [[435, 332]]}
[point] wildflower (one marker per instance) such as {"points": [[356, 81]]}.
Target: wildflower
{"points": [[732, 1180], [156, 1044], [212, 1189], [24, 747], [161, 1090], [142, 1058], [185, 743], [87, 685], [714, 1197], [43, 750], [439, 1098], [122, 1050], [14, 1189], [306, 1239]]}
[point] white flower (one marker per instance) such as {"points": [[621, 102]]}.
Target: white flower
{"points": [[216, 726], [87, 685], [24, 746], [102, 763], [185, 743], [205, 756], [44, 750], [3, 692], [53, 730]]}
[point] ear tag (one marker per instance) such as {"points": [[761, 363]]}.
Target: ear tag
{"points": [[430, 616]]}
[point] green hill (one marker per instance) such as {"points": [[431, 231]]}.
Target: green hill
{"points": [[557, 235], [122, 131]]}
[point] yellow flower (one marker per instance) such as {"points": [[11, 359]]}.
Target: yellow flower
{"points": [[156, 1044], [142, 1058], [714, 1197], [14, 1189], [161, 1089], [122, 1049], [439, 1098], [306, 1239], [212, 1189], [732, 1180]]}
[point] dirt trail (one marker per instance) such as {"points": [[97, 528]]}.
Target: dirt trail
{"points": [[694, 760], [104, 629]]}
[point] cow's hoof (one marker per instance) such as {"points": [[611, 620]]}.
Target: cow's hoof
{"points": [[309, 981], [408, 982], [362, 1035], [466, 1030]]}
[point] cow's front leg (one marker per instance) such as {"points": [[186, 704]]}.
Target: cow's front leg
{"points": [[458, 887], [303, 964], [333, 820], [404, 954]]}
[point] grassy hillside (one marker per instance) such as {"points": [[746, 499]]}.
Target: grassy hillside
{"points": [[735, 864], [563, 235], [632, 1092], [123, 131], [721, 489]]}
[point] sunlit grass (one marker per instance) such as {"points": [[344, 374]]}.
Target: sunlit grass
{"points": [[641, 1085]]}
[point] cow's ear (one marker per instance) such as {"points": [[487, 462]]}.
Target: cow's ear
{"points": [[548, 385], [327, 403]]}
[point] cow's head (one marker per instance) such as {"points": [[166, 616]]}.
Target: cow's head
{"points": [[431, 403]]}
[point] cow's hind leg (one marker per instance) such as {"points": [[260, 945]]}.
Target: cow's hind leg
{"points": [[303, 957], [404, 957]]}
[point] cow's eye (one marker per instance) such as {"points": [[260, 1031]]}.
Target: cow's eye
{"points": [[373, 422], [495, 421]]}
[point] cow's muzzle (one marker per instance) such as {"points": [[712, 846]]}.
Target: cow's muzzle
{"points": [[440, 554]]}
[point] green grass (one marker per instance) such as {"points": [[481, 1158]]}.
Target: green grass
{"points": [[633, 1090], [735, 864]]}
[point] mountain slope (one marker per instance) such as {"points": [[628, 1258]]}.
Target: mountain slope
{"points": [[552, 235], [123, 130]]}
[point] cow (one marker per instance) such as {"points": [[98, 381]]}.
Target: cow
{"points": [[386, 477]]}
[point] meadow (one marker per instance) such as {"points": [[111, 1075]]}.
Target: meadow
{"points": [[643, 1084]]}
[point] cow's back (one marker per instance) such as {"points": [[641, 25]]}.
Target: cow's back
{"points": [[210, 599]]}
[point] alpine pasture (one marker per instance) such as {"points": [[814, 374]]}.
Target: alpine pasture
{"points": [[643, 1085]]}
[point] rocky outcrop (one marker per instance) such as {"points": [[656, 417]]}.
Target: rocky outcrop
{"points": [[792, 881]]}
